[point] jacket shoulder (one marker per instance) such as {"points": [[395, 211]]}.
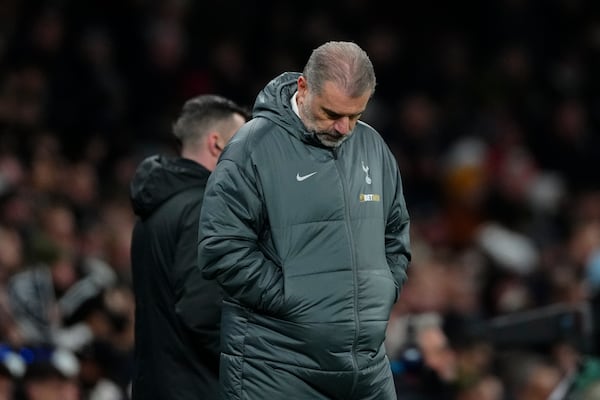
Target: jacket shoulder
{"points": [[248, 139]]}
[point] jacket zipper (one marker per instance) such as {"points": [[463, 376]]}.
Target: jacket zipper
{"points": [[354, 272]]}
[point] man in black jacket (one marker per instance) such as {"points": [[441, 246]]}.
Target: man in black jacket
{"points": [[177, 311]]}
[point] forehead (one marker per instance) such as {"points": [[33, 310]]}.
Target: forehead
{"points": [[334, 98]]}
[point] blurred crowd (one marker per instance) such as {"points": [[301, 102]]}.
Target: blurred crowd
{"points": [[493, 110]]}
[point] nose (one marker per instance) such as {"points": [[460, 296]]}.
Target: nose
{"points": [[342, 125]]}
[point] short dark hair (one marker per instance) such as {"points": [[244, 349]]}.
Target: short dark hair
{"points": [[199, 114]]}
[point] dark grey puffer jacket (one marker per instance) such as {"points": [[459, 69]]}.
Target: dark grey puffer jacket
{"points": [[311, 246]]}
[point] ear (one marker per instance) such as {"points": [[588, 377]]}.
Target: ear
{"points": [[302, 90], [302, 85], [212, 142]]}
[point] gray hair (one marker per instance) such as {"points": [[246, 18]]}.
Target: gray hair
{"points": [[343, 63], [202, 114]]}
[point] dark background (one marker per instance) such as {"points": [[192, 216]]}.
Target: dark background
{"points": [[492, 108]]}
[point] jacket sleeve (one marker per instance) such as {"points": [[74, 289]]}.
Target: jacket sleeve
{"points": [[397, 238], [228, 251], [198, 301]]}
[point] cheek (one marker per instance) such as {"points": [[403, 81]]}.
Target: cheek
{"points": [[322, 121]]}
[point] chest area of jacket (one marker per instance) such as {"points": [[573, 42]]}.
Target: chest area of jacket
{"points": [[303, 187]]}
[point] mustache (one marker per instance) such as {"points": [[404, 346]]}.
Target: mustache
{"points": [[330, 135]]}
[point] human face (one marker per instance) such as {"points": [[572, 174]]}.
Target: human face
{"points": [[332, 114]]}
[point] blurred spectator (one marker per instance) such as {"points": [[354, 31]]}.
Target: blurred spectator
{"points": [[44, 296], [95, 360], [572, 145], [529, 376], [118, 221], [418, 146], [11, 252], [11, 261], [12, 368], [488, 387], [424, 365], [51, 374]]}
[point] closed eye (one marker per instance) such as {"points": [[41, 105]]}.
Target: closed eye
{"points": [[333, 115]]}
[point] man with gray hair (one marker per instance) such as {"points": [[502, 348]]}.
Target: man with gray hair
{"points": [[177, 312], [305, 227]]}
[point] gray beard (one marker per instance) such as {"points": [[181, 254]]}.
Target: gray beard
{"points": [[326, 140]]}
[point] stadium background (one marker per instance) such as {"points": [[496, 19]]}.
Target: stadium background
{"points": [[493, 110]]}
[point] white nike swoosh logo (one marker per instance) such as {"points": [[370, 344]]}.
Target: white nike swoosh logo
{"points": [[303, 177]]}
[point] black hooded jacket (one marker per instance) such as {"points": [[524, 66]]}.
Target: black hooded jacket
{"points": [[177, 311]]}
